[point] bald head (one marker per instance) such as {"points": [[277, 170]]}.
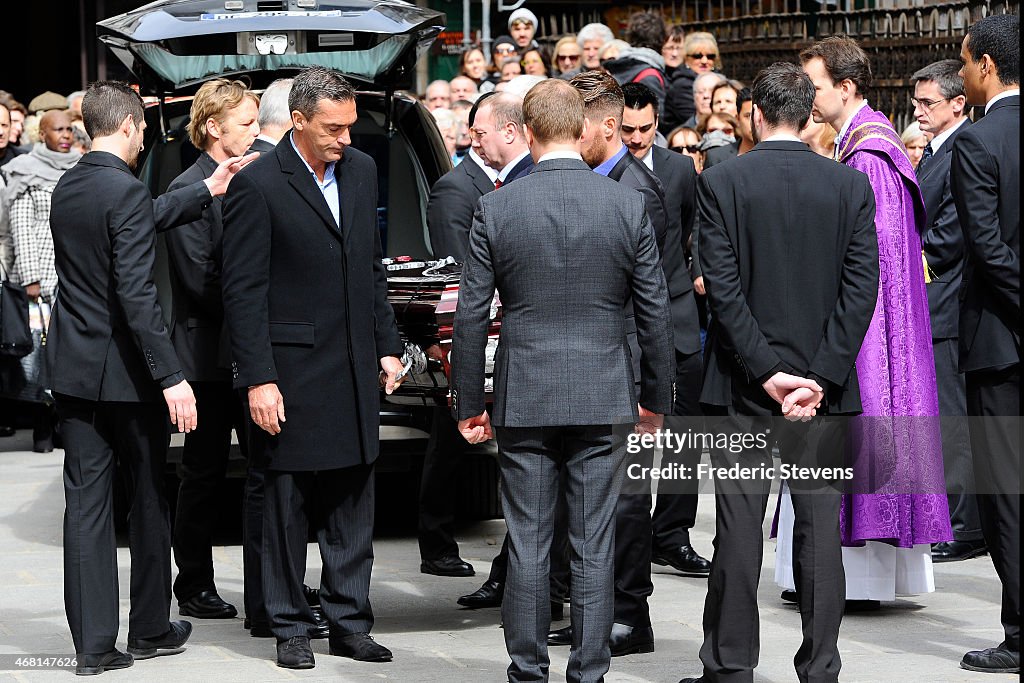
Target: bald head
{"points": [[55, 131]]}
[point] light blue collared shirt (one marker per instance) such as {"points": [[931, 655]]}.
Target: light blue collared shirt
{"points": [[606, 167], [329, 187]]}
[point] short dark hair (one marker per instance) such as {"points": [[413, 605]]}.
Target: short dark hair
{"points": [[601, 93], [639, 96], [784, 94], [744, 96], [106, 104], [998, 36], [646, 29], [843, 58], [476, 105], [945, 74], [553, 110], [318, 83]]}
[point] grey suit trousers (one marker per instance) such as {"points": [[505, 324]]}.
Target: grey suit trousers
{"points": [[530, 459]]}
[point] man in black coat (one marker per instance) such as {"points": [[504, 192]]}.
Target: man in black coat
{"points": [[113, 371], [676, 510], [792, 278], [222, 124], [940, 110], [305, 296], [985, 175]]}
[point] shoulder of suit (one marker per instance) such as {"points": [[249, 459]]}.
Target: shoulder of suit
{"points": [[358, 158], [192, 174]]}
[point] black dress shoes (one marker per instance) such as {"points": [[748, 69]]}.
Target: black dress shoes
{"points": [[683, 559], [10, 431], [449, 565], [258, 629], [488, 595], [90, 665], [954, 551], [170, 643], [295, 653], [321, 628], [790, 596], [630, 640], [994, 660], [207, 605], [560, 637], [360, 647], [699, 679], [850, 606]]}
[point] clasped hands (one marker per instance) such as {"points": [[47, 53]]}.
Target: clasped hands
{"points": [[799, 397]]}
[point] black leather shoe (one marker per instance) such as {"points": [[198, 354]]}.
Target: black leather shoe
{"points": [[560, 637], [954, 551], [321, 628], [207, 605], [488, 595], [90, 665], [295, 653], [629, 640], [6, 431], [258, 630], [170, 643], [850, 606], [683, 559], [790, 596], [994, 660], [699, 679], [450, 565], [312, 595], [360, 647]]}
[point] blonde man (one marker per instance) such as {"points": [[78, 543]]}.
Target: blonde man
{"points": [[223, 124]]}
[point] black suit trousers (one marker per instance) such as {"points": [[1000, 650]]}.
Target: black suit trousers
{"points": [[252, 535], [204, 463], [99, 439], [995, 444], [441, 464], [339, 505]]}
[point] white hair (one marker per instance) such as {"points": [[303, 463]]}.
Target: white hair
{"points": [[594, 32], [445, 119], [520, 85], [274, 109], [719, 78]]}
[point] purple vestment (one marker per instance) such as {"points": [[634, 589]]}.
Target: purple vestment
{"points": [[896, 445]]}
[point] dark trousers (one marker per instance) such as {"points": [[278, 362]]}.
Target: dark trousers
{"points": [[731, 628], [531, 460], [252, 541], [438, 481], [956, 444], [676, 513], [100, 438], [339, 505], [995, 444], [204, 463]]}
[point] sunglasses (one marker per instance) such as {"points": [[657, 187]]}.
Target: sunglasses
{"points": [[702, 55], [571, 58], [505, 49], [680, 149]]}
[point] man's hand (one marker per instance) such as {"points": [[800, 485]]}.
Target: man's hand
{"points": [[218, 182], [649, 423], [698, 285], [33, 290], [181, 405], [392, 367], [266, 406], [476, 429], [798, 396]]}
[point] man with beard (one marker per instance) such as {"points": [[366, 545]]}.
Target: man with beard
{"points": [[113, 368]]}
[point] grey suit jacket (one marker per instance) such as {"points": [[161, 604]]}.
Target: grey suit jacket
{"points": [[565, 248]]}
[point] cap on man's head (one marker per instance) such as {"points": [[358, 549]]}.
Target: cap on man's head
{"points": [[504, 40], [522, 14], [47, 101]]}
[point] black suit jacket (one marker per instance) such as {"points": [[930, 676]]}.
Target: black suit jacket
{"points": [[985, 177], [791, 271], [679, 178], [943, 240], [564, 248], [261, 146], [194, 253], [450, 208], [306, 306], [107, 340], [521, 169]]}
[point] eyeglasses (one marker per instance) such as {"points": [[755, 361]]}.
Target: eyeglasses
{"points": [[505, 49], [681, 149], [533, 60], [571, 58], [927, 105], [519, 23], [703, 55], [477, 134]]}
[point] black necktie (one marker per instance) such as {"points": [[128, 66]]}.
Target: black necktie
{"points": [[925, 157]]}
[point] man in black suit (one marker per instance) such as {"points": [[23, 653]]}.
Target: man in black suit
{"points": [[222, 124], [302, 217], [113, 372], [565, 249], [940, 110], [985, 175], [792, 278], [676, 509]]}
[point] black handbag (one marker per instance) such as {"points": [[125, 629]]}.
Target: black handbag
{"points": [[15, 335]]}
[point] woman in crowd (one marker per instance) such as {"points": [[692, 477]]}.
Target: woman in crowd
{"points": [[686, 141], [536, 63], [915, 142], [567, 57], [820, 137], [473, 64], [612, 49], [510, 68]]}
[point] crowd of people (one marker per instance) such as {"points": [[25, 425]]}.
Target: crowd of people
{"points": [[715, 282]]}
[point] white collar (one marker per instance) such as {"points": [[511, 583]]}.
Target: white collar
{"points": [[267, 138], [937, 141], [491, 173], [560, 155], [782, 137], [846, 126], [510, 165], [649, 159], [1002, 96]]}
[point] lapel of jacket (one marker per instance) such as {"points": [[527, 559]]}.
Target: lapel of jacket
{"points": [[304, 184], [479, 176], [348, 186]]}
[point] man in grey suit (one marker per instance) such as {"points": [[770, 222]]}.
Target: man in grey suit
{"points": [[565, 248]]}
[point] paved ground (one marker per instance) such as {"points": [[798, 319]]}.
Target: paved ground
{"points": [[914, 639]]}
